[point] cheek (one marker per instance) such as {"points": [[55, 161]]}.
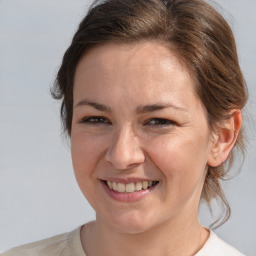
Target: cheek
{"points": [[181, 159], [85, 151], [85, 154]]}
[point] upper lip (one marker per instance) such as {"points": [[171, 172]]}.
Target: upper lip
{"points": [[127, 180]]}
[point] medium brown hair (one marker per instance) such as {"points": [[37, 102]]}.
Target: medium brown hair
{"points": [[193, 30]]}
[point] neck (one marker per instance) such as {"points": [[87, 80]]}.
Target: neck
{"points": [[172, 238]]}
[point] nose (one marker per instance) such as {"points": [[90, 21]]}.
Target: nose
{"points": [[124, 151]]}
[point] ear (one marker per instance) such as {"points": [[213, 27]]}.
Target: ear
{"points": [[224, 139]]}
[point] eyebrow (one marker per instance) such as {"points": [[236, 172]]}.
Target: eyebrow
{"points": [[156, 107], [139, 110], [100, 107]]}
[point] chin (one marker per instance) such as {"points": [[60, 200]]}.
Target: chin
{"points": [[134, 228], [130, 223]]}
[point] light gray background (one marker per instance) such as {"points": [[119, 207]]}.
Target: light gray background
{"points": [[38, 192]]}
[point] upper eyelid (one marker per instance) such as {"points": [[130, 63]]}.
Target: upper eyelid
{"points": [[161, 119], [107, 120], [83, 119]]}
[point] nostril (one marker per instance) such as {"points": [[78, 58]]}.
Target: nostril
{"points": [[123, 159]]}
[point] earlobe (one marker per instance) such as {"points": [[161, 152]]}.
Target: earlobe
{"points": [[224, 140]]}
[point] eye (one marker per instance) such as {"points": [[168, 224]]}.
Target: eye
{"points": [[160, 122], [94, 120]]}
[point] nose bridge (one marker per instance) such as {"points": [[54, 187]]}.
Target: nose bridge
{"points": [[125, 151]]}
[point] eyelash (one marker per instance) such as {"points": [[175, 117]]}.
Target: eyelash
{"points": [[160, 122], [98, 120], [95, 120]]}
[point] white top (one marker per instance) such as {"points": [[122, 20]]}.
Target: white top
{"points": [[69, 244], [214, 246]]}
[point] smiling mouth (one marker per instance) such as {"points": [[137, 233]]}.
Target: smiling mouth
{"points": [[130, 187]]}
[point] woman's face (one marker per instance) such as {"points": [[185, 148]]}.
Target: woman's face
{"points": [[140, 139]]}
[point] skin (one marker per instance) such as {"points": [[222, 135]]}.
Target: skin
{"points": [[171, 144]]}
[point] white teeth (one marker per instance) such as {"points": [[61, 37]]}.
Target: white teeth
{"points": [[110, 184], [138, 186], [114, 186], [130, 187], [145, 184], [120, 187]]}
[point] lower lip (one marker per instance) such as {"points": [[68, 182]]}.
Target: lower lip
{"points": [[127, 197]]}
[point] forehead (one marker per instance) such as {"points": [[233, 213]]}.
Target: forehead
{"points": [[143, 53], [148, 69], [148, 57]]}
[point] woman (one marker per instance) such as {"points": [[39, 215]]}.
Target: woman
{"points": [[151, 95]]}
